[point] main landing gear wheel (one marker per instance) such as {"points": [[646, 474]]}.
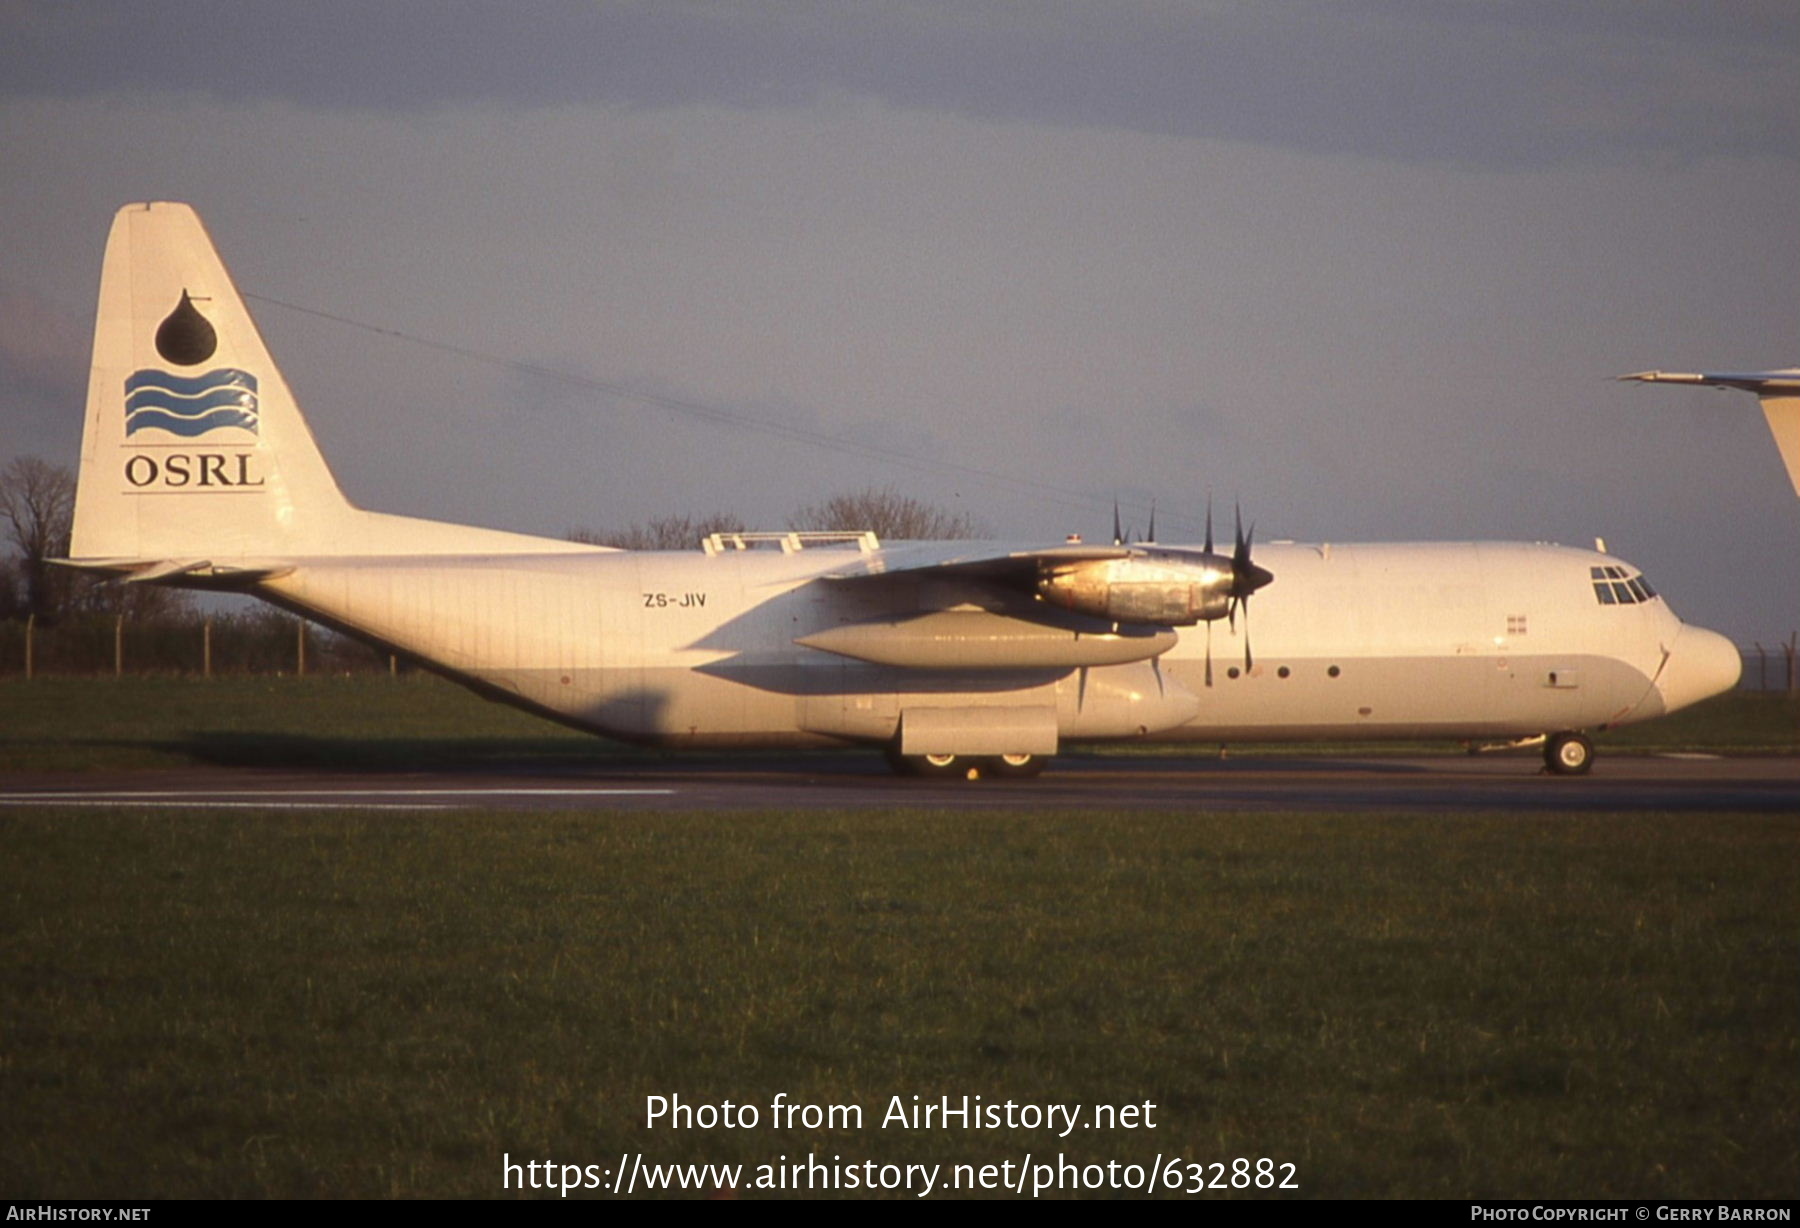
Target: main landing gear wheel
{"points": [[944, 767], [967, 767], [940, 767], [1018, 767], [1568, 754]]}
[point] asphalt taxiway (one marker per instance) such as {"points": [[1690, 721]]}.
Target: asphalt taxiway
{"points": [[1497, 783]]}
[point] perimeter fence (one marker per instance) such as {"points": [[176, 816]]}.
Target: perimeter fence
{"points": [[255, 642], [1771, 668]]}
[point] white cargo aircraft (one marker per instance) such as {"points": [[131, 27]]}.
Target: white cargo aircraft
{"points": [[197, 469]]}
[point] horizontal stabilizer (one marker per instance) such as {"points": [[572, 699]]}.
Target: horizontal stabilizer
{"points": [[194, 573]]}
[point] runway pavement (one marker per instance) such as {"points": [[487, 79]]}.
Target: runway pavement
{"points": [[1507, 783]]}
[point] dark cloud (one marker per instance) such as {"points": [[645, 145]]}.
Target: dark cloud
{"points": [[981, 244], [1481, 84]]}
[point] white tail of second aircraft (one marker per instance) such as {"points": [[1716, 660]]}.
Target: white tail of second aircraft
{"points": [[1779, 392], [195, 456]]}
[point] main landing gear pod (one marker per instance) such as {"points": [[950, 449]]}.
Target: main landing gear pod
{"points": [[973, 742]]}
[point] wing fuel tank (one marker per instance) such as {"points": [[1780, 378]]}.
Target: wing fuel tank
{"points": [[978, 639]]}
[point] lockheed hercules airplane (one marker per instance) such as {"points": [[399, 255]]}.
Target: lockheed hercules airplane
{"points": [[961, 658]]}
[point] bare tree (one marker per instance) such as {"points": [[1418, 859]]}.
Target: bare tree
{"points": [[38, 501], [892, 515], [662, 533]]}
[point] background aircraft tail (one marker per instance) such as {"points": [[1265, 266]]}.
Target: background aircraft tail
{"points": [[195, 450], [1779, 392]]}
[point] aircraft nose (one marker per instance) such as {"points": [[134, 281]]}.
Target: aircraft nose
{"points": [[1701, 664]]}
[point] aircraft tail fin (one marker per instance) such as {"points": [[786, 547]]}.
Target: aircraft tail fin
{"points": [[1779, 392], [193, 444], [195, 459]]}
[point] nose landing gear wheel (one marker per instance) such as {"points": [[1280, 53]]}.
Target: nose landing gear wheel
{"points": [[1568, 754]]}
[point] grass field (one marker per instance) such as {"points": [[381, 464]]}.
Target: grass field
{"points": [[375, 722], [372, 721], [214, 1004], [332, 1004]]}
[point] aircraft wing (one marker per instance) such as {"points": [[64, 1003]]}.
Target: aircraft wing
{"points": [[1146, 583], [974, 560], [1013, 630], [1758, 382]]}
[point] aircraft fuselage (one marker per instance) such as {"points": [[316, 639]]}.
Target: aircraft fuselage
{"points": [[1473, 640]]}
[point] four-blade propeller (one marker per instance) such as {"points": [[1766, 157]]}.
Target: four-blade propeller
{"points": [[1246, 578]]}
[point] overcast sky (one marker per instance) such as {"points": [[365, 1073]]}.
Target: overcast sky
{"points": [[1366, 266]]}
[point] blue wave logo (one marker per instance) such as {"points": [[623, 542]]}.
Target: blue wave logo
{"points": [[190, 406]]}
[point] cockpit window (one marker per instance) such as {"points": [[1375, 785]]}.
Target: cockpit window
{"points": [[1614, 586]]}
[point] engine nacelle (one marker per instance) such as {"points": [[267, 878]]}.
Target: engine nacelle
{"points": [[1169, 592]]}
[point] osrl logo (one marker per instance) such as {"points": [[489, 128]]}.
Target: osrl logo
{"points": [[190, 407]]}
